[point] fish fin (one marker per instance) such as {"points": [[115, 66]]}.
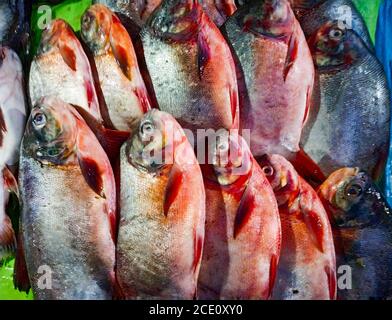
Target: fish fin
{"points": [[21, 277], [331, 276], [203, 53], [92, 174], [234, 102], [308, 105], [173, 188], [272, 274], [110, 140], [244, 211], [68, 55], [315, 227], [3, 127], [307, 168], [142, 95], [198, 250], [226, 8], [10, 182], [118, 38], [7, 239], [292, 53]]}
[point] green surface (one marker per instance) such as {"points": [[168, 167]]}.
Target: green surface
{"points": [[7, 291], [369, 11], [69, 10]]}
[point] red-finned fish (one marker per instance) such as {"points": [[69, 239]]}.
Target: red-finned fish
{"points": [[12, 121], [68, 196], [243, 234], [62, 69], [307, 267], [362, 227], [122, 85], [218, 10], [191, 66], [275, 72], [162, 203]]}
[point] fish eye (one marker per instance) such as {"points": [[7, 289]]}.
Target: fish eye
{"points": [[39, 120], [147, 130], [336, 34], [268, 171], [353, 190]]}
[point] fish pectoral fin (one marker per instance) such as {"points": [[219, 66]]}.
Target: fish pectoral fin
{"points": [[11, 184], [198, 250], [92, 175], [68, 55], [7, 239], [234, 103], [173, 188], [315, 227], [122, 55], [21, 277], [331, 277], [244, 211], [292, 53], [272, 273]]}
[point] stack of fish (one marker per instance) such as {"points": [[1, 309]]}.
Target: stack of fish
{"points": [[217, 153]]}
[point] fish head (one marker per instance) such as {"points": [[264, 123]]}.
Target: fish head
{"points": [[231, 157], [282, 177], [176, 19], [351, 199], [57, 32], [269, 18], [51, 132], [335, 46], [95, 30], [154, 141]]}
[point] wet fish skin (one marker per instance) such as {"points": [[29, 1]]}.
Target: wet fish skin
{"points": [[331, 10], [243, 234], [307, 267], [162, 201], [191, 66], [61, 68], [275, 73], [362, 224], [123, 87], [66, 229], [353, 104]]}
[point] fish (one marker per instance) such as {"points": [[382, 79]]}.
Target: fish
{"points": [[362, 224], [162, 212], [307, 266], [122, 85], [353, 104], [243, 232], [315, 13], [61, 68], [14, 24], [191, 67], [218, 10], [275, 72], [68, 196], [13, 111], [384, 54], [13, 107], [136, 10], [8, 187]]}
